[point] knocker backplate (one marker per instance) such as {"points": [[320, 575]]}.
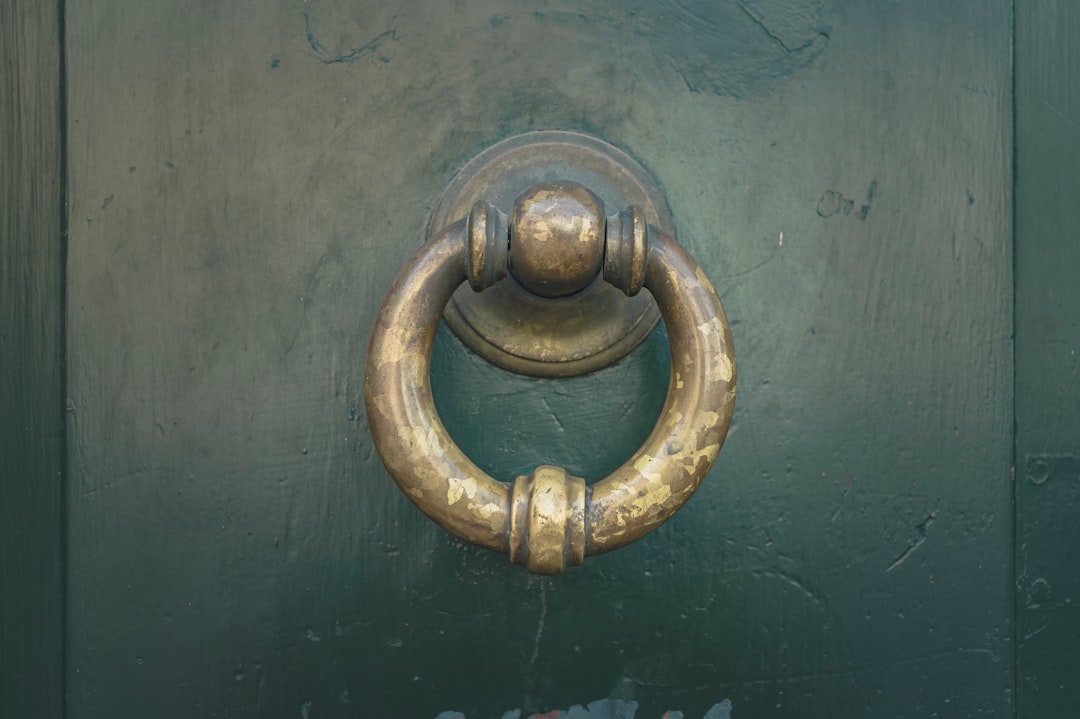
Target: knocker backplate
{"points": [[566, 336]]}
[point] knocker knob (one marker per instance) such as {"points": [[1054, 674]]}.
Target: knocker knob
{"points": [[557, 242], [556, 239]]}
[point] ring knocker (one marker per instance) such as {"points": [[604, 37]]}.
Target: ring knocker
{"points": [[557, 245]]}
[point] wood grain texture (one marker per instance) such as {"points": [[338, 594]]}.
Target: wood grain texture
{"points": [[31, 362], [246, 179], [1047, 357]]}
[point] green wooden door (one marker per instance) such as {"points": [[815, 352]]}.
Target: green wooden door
{"points": [[244, 179]]}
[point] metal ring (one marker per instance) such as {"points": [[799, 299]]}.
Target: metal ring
{"points": [[550, 520]]}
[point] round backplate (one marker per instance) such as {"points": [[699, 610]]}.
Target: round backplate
{"points": [[522, 332]]}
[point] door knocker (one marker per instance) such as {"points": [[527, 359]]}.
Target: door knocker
{"points": [[555, 252]]}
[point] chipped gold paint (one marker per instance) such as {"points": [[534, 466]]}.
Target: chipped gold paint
{"points": [[544, 520], [704, 280], [459, 487], [708, 419], [634, 500], [484, 510], [643, 464], [721, 369], [709, 454], [396, 348]]}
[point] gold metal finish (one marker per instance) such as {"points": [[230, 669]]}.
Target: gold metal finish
{"points": [[525, 331], [557, 239], [548, 520]]}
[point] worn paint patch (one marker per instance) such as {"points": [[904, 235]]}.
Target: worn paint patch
{"points": [[704, 280], [835, 203], [458, 487], [708, 453], [707, 420], [721, 368], [603, 709], [644, 465], [739, 48], [397, 346], [794, 25], [487, 511], [1041, 468], [727, 47], [331, 22]]}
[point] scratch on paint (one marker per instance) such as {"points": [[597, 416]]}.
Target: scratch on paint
{"points": [[686, 80], [915, 543], [539, 628], [840, 505], [1060, 113], [743, 273], [1040, 630], [551, 413], [798, 584]]}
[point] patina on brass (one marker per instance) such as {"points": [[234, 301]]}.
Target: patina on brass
{"points": [[548, 520], [572, 333], [557, 239]]}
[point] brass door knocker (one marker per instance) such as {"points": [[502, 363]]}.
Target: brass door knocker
{"points": [[555, 245]]}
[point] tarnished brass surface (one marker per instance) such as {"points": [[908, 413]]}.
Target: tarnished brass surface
{"points": [[409, 436], [626, 251], [523, 331], [548, 520], [658, 479], [557, 239]]}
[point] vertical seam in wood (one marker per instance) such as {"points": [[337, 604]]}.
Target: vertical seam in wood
{"points": [[1015, 425], [62, 106]]}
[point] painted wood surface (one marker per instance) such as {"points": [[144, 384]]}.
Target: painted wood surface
{"points": [[247, 177], [31, 361], [1047, 362]]}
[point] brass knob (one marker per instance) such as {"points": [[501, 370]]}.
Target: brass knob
{"points": [[556, 244], [557, 239]]}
